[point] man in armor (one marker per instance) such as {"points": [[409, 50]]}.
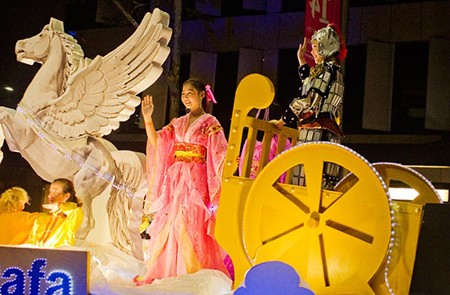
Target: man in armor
{"points": [[316, 112]]}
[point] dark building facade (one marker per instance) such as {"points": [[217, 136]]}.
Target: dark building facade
{"points": [[397, 100]]}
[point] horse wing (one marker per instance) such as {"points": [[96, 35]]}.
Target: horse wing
{"points": [[103, 94]]}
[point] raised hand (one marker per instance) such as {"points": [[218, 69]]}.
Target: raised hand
{"points": [[147, 107], [301, 52], [278, 123], [147, 112]]}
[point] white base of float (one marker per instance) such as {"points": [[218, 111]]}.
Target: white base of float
{"points": [[112, 272]]}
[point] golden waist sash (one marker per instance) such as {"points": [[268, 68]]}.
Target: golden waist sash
{"points": [[190, 152]]}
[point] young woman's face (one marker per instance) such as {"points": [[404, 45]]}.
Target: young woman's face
{"points": [[56, 193], [318, 59], [191, 98]]}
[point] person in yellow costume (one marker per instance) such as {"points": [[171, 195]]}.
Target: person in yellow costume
{"points": [[58, 226], [16, 223]]}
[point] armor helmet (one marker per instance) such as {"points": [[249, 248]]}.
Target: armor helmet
{"points": [[327, 40]]}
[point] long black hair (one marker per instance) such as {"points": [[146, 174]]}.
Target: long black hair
{"points": [[200, 86]]}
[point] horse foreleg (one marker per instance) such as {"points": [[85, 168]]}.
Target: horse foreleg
{"points": [[88, 220], [88, 183]]}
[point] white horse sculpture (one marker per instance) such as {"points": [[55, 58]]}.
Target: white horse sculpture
{"points": [[72, 102]]}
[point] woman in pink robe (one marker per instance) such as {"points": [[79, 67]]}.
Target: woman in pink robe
{"points": [[185, 161]]}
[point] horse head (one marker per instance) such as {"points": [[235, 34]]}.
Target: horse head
{"points": [[36, 48], [60, 56]]}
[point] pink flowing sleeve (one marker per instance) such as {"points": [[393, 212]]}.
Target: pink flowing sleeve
{"points": [[158, 159], [273, 151], [217, 148], [274, 146]]}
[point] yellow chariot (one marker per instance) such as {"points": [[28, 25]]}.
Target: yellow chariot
{"points": [[351, 240]]}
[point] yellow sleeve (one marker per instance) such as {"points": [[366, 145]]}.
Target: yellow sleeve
{"points": [[16, 227], [58, 228]]}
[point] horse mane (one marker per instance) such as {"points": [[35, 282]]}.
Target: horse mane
{"points": [[74, 52]]}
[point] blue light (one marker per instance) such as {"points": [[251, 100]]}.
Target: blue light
{"points": [[60, 281]]}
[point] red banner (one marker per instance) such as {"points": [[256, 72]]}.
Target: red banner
{"points": [[318, 14]]}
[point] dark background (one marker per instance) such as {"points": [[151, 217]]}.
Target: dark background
{"points": [[25, 18]]}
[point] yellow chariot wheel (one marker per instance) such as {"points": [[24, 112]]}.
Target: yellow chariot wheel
{"points": [[337, 241]]}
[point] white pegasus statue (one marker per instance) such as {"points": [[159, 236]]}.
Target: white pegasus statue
{"points": [[72, 102]]}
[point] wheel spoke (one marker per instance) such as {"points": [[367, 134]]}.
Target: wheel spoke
{"points": [[281, 245], [323, 255], [358, 196], [295, 201], [313, 175], [282, 234], [279, 202], [317, 262], [279, 215], [348, 230], [354, 214]]}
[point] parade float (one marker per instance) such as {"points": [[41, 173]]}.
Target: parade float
{"points": [[354, 239]]}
